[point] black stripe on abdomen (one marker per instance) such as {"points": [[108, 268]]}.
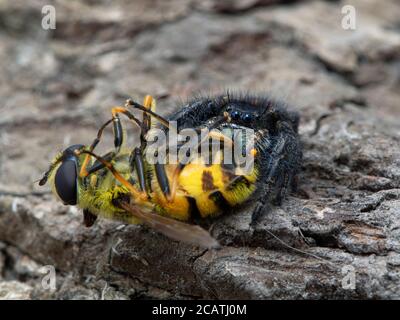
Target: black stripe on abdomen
{"points": [[218, 198], [194, 211], [238, 180]]}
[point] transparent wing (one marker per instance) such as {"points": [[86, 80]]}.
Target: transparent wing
{"points": [[173, 229]]}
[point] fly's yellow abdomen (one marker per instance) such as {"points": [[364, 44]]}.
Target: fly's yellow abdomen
{"points": [[200, 181], [203, 190], [178, 207]]}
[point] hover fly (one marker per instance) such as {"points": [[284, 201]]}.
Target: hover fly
{"points": [[172, 197]]}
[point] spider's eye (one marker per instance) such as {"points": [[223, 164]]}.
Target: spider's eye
{"points": [[235, 115], [211, 105], [247, 118]]}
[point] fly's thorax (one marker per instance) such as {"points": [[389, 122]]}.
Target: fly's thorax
{"points": [[101, 202], [100, 190]]}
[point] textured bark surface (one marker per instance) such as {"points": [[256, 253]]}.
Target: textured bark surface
{"points": [[57, 88]]}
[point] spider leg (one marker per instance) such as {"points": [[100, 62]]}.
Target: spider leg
{"points": [[282, 163]]}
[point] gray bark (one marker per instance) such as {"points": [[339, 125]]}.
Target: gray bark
{"points": [[57, 88]]}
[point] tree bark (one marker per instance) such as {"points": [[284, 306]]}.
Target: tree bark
{"points": [[336, 236]]}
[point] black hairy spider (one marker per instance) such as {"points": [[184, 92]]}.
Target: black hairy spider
{"points": [[277, 141]]}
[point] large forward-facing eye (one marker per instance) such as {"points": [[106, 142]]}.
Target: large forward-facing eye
{"points": [[235, 115], [247, 118], [66, 181]]}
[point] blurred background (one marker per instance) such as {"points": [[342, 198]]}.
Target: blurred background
{"points": [[57, 85]]}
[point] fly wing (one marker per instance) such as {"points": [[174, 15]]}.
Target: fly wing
{"points": [[173, 229]]}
